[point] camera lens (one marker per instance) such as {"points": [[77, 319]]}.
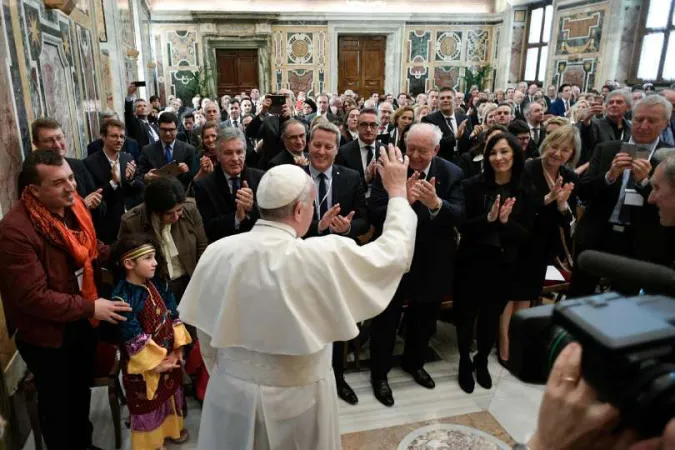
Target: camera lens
{"points": [[558, 339]]}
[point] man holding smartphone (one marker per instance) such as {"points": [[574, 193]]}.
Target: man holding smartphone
{"points": [[267, 125], [616, 187]]}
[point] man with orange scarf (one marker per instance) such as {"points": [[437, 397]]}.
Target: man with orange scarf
{"points": [[50, 258]]}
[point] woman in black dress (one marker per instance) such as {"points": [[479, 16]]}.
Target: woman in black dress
{"points": [[549, 181], [498, 217]]}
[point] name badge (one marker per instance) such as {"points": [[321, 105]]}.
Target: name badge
{"points": [[79, 274], [633, 198]]}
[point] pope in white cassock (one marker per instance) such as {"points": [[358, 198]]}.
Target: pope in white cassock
{"points": [[267, 306]]}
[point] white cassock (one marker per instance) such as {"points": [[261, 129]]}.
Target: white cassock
{"points": [[270, 305]]}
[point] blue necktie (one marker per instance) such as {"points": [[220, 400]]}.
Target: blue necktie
{"points": [[167, 154], [235, 186], [323, 206]]}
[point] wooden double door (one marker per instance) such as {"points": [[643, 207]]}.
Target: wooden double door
{"points": [[237, 71], [361, 63]]}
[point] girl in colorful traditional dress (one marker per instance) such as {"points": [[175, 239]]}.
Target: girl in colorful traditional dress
{"points": [[152, 340]]}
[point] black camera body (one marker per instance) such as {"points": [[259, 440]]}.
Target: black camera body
{"points": [[628, 348]]}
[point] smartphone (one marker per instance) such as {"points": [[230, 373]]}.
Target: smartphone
{"points": [[278, 101], [631, 149], [139, 83]]}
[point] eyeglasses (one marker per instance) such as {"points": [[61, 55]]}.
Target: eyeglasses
{"points": [[368, 124], [168, 130]]}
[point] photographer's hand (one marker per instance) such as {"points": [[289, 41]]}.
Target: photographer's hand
{"points": [[570, 416]]}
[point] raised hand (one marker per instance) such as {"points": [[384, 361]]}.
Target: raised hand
{"points": [[494, 211], [205, 164], [265, 106], [641, 169], [150, 176], [621, 162], [114, 172], [393, 170], [169, 363], [462, 127], [505, 210], [370, 171], [93, 200], [564, 196], [410, 185], [130, 171], [327, 218], [183, 167], [555, 191], [244, 201], [425, 191], [341, 224]]}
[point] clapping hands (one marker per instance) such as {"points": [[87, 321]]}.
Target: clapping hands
{"points": [[501, 210]]}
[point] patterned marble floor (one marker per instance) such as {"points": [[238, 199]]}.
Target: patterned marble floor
{"points": [[511, 403]]}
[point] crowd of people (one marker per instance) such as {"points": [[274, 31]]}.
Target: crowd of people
{"points": [[500, 185]]}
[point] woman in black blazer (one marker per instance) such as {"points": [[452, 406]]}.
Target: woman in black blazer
{"points": [[549, 181], [402, 119], [498, 218]]}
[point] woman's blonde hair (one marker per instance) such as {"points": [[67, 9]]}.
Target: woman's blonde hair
{"points": [[566, 135], [559, 121], [399, 112], [489, 107], [419, 110], [575, 108]]}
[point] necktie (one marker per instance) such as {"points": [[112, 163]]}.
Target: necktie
{"points": [[167, 154], [236, 124], [369, 156], [151, 133], [235, 186], [323, 205], [535, 135]]}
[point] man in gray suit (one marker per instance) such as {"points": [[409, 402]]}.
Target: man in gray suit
{"points": [[167, 149], [235, 119], [612, 127]]}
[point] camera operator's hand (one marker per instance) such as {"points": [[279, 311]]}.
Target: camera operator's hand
{"points": [[570, 416], [265, 106]]}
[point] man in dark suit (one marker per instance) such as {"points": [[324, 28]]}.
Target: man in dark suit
{"points": [[448, 121], [534, 117], [267, 127], [435, 193], [294, 137], [615, 188], [168, 149], [518, 105], [384, 112], [321, 108], [529, 97], [113, 172], [48, 135], [612, 127], [340, 208], [361, 154], [187, 135], [136, 111], [130, 145], [226, 197], [561, 106]]}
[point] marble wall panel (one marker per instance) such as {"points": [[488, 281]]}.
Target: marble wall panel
{"points": [[451, 48], [146, 48], [183, 48], [517, 44], [161, 80], [107, 78], [91, 100], [580, 37], [125, 24], [299, 58]]}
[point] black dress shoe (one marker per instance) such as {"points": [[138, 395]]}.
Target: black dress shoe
{"points": [[382, 392], [345, 392], [465, 376], [480, 365], [421, 377]]}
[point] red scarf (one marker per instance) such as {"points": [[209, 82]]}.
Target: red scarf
{"points": [[81, 244]]}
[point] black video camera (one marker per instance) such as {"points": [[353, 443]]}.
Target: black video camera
{"points": [[628, 342]]}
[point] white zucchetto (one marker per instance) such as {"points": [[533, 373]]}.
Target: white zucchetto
{"points": [[280, 186]]}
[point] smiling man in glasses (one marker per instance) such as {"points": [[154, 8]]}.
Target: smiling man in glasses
{"points": [[359, 154], [167, 149]]}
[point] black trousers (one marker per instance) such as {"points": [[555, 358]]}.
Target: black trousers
{"points": [[63, 377], [338, 359], [483, 286], [420, 326], [616, 243]]}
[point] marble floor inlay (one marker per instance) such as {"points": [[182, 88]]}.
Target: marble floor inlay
{"points": [[509, 409]]}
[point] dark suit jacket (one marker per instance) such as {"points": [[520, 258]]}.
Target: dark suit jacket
{"points": [[187, 233], [349, 156], [188, 137], [135, 128], [152, 157], [518, 111], [448, 142], [347, 190], [345, 137], [108, 224], [217, 206], [557, 107], [599, 131], [85, 183], [601, 198], [285, 157], [130, 146], [269, 130], [430, 276]]}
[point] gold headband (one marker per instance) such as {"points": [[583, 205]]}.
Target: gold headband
{"points": [[137, 252]]}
